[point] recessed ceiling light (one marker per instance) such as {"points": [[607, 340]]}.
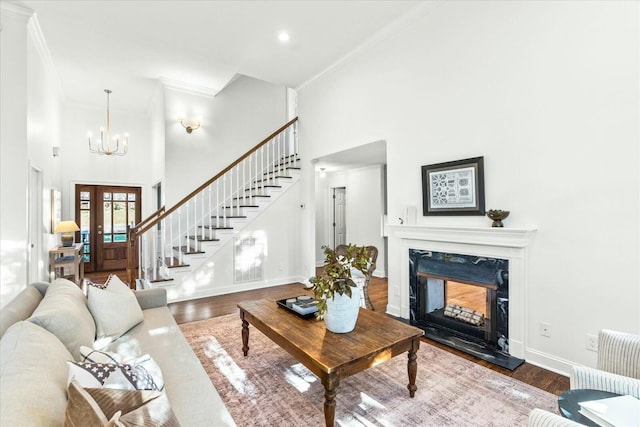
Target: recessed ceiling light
{"points": [[283, 36]]}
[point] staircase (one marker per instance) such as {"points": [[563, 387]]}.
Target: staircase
{"points": [[170, 246]]}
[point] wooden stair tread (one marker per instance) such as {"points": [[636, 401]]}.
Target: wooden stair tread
{"points": [[160, 280], [203, 239], [229, 216], [273, 178], [187, 250], [176, 263], [240, 206], [263, 196], [215, 227], [263, 186]]}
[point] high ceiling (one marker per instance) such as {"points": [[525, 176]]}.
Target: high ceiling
{"points": [[127, 46]]}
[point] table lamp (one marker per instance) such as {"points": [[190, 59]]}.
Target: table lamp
{"points": [[68, 229]]}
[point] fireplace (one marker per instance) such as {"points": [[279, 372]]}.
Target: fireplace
{"points": [[462, 301], [502, 254]]}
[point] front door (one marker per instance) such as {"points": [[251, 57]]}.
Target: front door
{"points": [[106, 213]]}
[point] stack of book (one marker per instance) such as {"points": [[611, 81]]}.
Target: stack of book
{"points": [[619, 411], [304, 305]]}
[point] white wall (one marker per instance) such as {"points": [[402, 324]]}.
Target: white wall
{"points": [[157, 157], [13, 151], [79, 165], [30, 117], [44, 116], [241, 115], [364, 208], [278, 221], [548, 93]]}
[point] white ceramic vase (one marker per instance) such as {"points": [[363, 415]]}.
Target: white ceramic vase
{"points": [[342, 312]]}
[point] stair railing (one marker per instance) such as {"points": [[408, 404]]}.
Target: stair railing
{"points": [[164, 238]]}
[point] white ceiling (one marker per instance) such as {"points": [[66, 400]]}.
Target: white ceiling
{"points": [[127, 46]]}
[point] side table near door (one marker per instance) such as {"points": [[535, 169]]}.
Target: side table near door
{"points": [[67, 257]]}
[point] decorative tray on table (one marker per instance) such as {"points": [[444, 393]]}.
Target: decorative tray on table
{"points": [[303, 306]]}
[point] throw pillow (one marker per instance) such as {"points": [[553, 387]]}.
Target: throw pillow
{"points": [[146, 361], [114, 309], [33, 377], [89, 282], [82, 410], [114, 284], [111, 375], [96, 356], [121, 407], [63, 312]]}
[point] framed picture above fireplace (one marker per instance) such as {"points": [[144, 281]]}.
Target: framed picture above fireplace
{"points": [[453, 188]]}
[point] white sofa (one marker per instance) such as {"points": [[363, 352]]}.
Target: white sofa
{"points": [[33, 360]]}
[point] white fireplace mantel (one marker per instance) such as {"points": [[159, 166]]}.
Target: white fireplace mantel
{"points": [[492, 236], [504, 243]]}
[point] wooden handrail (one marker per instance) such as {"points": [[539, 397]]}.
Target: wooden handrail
{"points": [[150, 223], [149, 218], [206, 184]]}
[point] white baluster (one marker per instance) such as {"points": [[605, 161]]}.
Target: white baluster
{"points": [[179, 234], [140, 258], [294, 130], [170, 221], [196, 221], [218, 203], [244, 182], [279, 160], [210, 215], [224, 199], [161, 242]]}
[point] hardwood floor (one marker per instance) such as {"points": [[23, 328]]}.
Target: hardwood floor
{"points": [[204, 308]]}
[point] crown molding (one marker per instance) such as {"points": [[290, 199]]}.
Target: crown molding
{"points": [[189, 88], [399, 24], [17, 9], [35, 32]]}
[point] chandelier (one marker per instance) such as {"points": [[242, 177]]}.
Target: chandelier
{"points": [[104, 144]]}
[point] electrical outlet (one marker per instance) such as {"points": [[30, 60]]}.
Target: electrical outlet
{"points": [[545, 329], [592, 342]]}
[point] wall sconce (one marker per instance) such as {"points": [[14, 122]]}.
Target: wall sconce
{"points": [[190, 126], [56, 151]]}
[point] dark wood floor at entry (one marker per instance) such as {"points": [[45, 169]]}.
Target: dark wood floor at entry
{"points": [[204, 308]]}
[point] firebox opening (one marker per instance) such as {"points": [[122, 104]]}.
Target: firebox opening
{"points": [[462, 301], [462, 308]]}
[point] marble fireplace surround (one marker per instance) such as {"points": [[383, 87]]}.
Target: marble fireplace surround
{"points": [[506, 243]]}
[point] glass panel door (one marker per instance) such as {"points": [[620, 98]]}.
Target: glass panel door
{"points": [[105, 214]]}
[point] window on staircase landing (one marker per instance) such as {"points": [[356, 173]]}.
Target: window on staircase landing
{"points": [[249, 257]]}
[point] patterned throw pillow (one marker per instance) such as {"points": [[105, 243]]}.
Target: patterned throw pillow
{"points": [[110, 407], [96, 356], [89, 282], [146, 361], [111, 375]]}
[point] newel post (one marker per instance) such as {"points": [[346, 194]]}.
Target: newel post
{"points": [[131, 243]]}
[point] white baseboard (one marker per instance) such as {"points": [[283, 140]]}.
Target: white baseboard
{"points": [[548, 362]]}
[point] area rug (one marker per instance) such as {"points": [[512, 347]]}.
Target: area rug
{"points": [[270, 388]]}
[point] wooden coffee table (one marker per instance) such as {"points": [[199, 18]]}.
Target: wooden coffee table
{"points": [[331, 356]]}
